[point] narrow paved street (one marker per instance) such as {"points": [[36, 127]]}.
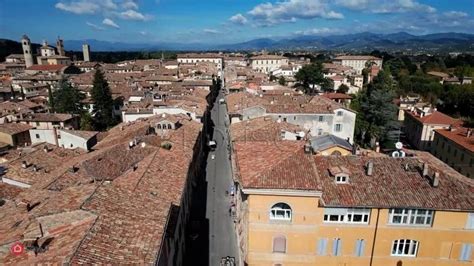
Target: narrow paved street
{"points": [[222, 236]]}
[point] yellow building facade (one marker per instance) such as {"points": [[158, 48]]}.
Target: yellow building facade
{"points": [[297, 208], [440, 243]]}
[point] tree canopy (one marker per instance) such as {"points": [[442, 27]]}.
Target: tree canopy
{"points": [[310, 75], [66, 99], [103, 102], [343, 88], [376, 115]]}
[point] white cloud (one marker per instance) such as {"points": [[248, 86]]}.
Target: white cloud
{"points": [[94, 26], [129, 4], [123, 9], [238, 19], [292, 10], [319, 31], [107, 4], [144, 33], [79, 7], [386, 6], [110, 23], [133, 15], [211, 31], [455, 14]]}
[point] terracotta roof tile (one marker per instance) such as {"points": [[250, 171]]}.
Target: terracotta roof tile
{"points": [[14, 128], [459, 136], [436, 117], [261, 129], [283, 165], [46, 67], [391, 185]]}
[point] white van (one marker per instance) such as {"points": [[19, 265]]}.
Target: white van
{"points": [[212, 145]]}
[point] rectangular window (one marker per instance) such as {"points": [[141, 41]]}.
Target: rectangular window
{"points": [[321, 118], [411, 217], [339, 113], [466, 252], [470, 221], [338, 127], [359, 248], [322, 246], [37, 136], [405, 247], [346, 215], [320, 131], [336, 247]]}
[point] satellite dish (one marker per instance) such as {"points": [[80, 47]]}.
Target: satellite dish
{"points": [[399, 145]]}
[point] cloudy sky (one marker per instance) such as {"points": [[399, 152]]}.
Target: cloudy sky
{"points": [[226, 21]]}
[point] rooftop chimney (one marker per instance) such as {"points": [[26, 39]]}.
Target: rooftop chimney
{"points": [[35, 168], [370, 168], [73, 169], [435, 181], [307, 148], [469, 133], [425, 169], [24, 164]]}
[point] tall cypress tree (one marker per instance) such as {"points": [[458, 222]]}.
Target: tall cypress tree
{"points": [[51, 100], [66, 99], [103, 102]]}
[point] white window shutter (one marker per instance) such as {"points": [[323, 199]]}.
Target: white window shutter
{"points": [[357, 248], [470, 221], [334, 246], [339, 247], [466, 252]]}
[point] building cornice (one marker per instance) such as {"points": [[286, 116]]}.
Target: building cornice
{"points": [[282, 192]]}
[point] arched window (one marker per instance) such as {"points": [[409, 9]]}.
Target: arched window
{"points": [[169, 126], [336, 153], [280, 211], [158, 126], [405, 247], [279, 244]]}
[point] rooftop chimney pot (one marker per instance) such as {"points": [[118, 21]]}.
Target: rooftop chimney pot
{"points": [[370, 168], [425, 169], [436, 179]]}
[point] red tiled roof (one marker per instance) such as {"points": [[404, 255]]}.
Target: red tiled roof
{"points": [[391, 185], [357, 57], [123, 221], [336, 95], [270, 165], [46, 67], [283, 165], [459, 136], [436, 118], [261, 129], [14, 128]]}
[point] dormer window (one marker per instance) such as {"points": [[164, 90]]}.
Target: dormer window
{"points": [[342, 179], [340, 174]]}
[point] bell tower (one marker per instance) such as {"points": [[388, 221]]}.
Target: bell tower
{"points": [[60, 47], [26, 44]]}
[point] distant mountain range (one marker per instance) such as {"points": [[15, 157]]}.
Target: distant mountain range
{"points": [[364, 41]]}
